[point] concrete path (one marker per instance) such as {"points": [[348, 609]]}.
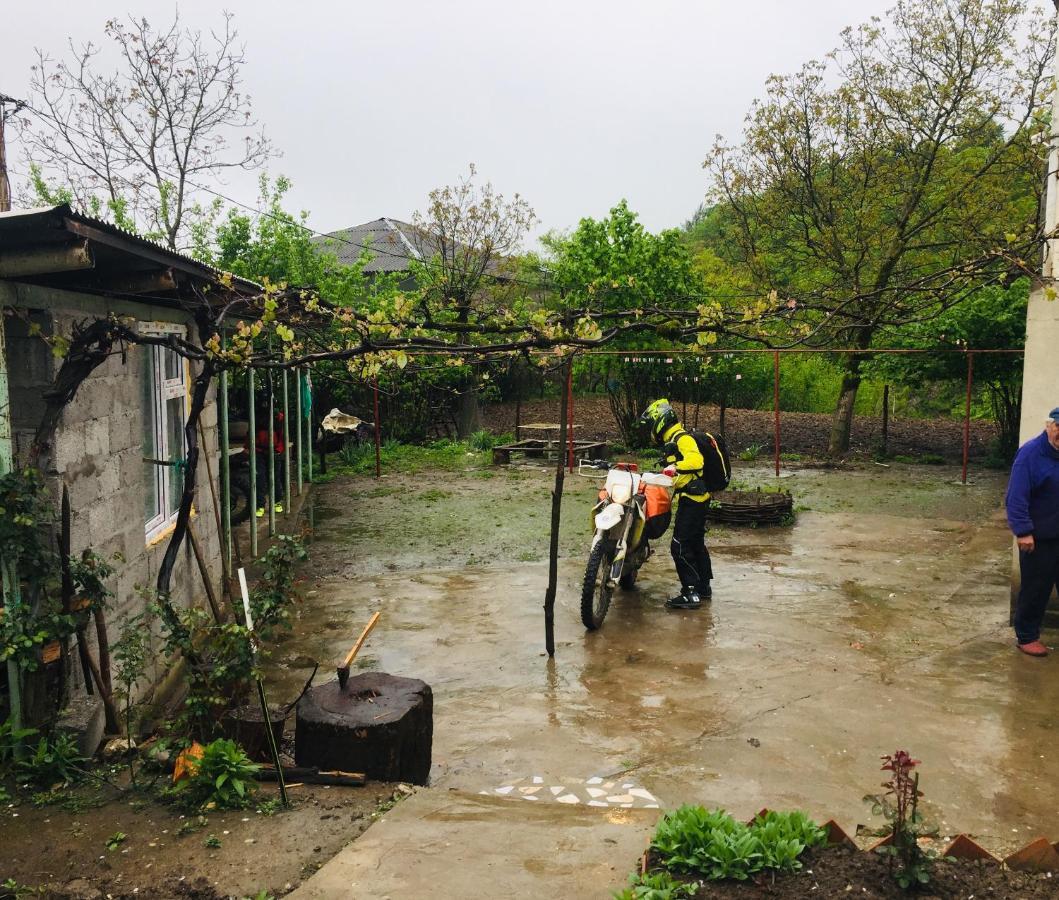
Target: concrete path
{"points": [[826, 646]]}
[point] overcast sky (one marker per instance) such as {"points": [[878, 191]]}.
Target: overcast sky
{"points": [[573, 104]]}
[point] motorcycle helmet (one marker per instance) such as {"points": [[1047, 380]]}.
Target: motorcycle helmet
{"points": [[659, 417]]}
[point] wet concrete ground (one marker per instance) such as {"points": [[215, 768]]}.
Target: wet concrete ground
{"points": [[879, 621]]}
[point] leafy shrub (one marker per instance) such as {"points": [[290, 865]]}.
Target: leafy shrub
{"points": [[221, 778], [711, 843], [54, 761]]}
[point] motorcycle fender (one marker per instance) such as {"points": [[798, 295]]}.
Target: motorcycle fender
{"points": [[592, 516]]}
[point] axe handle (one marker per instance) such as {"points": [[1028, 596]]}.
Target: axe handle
{"points": [[360, 643]]}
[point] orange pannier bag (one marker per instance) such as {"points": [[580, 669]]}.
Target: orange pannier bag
{"points": [[658, 509]]}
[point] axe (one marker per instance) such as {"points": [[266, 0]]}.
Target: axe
{"points": [[343, 670]]}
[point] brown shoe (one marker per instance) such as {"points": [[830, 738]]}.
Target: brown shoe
{"points": [[1034, 648]]}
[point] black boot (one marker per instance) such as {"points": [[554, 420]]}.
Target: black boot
{"points": [[686, 599]]}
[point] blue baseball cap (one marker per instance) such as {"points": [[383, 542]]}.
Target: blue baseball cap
{"points": [[1054, 415]]}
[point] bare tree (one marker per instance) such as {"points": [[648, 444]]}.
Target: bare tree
{"points": [[140, 138], [465, 241], [895, 180]]}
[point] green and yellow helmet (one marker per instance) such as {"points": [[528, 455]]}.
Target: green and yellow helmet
{"points": [[659, 417]]}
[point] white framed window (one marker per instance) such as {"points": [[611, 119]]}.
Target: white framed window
{"points": [[164, 401]]}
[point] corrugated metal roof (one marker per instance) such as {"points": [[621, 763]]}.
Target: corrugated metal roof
{"points": [[44, 223]]}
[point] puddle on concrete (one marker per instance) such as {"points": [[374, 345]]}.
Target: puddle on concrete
{"points": [[878, 620]]}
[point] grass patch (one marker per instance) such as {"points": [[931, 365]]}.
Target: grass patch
{"points": [[410, 459]]}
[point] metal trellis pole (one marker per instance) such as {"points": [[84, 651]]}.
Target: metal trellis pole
{"points": [[286, 446], [776, 408], [378, 442], [301, 424], [271, 438], [253, 459], [226, 478], [967, 414]]}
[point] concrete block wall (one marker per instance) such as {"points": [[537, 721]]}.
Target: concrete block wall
{"points": [[98, 454]]}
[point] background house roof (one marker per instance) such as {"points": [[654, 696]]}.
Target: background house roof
{"points": [[392, 243]]}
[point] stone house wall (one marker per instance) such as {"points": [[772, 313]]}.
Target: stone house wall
{"points": [[98, 449]]}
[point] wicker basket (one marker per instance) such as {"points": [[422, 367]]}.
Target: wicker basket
{"points": [[750, 508]]}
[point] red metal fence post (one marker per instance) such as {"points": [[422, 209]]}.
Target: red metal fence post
{"points": [[967, 414], [776, 407], [378, 441], [570, 415]]}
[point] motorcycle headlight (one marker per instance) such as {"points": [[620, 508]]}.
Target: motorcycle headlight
{"points": [[620, 493]]}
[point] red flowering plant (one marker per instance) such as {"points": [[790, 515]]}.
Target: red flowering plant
{"points": [[910, 864]]}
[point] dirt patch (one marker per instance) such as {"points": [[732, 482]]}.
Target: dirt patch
{"points": [[167, 854], [848, 873], [805, 433]]}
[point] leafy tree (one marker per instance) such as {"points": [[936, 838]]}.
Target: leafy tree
{"points": [[993, 318], [138, 140], [894, 180], [466, 240], [614, 264]]}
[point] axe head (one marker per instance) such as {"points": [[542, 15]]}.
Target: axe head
{"points": [[343, 677]]}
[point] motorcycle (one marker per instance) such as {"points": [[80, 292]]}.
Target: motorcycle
{"points": [[633, 510]]}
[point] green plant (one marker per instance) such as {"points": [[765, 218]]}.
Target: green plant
{"points": [[482, 441], [751, 453], [269, 807], [15, 891], [909, 864], [221, 778], [712, 844], [54, 761], [116, 840], [656, 886], [213, 842], [11, 739]]}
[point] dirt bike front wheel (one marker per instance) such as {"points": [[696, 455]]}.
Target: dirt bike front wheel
{"points": [[596, 590]]}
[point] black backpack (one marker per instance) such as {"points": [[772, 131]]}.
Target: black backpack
{"points": [[717, 464]]}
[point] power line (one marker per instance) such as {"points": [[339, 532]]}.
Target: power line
{"points": [[53, 124]]}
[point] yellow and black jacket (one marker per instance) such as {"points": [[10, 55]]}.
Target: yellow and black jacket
{"points": [[680, 449]]}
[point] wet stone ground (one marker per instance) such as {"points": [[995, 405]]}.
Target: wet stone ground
{"points": [[878, 621]]}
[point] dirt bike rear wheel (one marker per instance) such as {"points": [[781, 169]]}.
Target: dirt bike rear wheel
{"points": [[596, 590], [239, 495]]}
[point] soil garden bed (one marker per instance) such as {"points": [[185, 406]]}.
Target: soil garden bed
{"points": [[802, 433], [67, 850], [841, 872]]}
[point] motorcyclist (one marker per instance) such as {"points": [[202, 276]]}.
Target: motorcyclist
{"points": [[683, 460]]}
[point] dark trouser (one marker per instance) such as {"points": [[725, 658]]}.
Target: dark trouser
{"points": [[262, 477], [689, 546], [1040, 573]]}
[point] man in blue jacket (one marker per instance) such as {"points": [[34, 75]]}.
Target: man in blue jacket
{"points": [[1033, 514]]}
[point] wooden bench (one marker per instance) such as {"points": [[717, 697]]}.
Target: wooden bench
{"points": [[536, 447]]}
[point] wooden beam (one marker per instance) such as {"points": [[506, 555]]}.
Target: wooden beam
{"points": [[141, 248], [141, 282], [46, 260]]}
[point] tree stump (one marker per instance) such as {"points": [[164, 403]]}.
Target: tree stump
{"points": [[381, 725]]}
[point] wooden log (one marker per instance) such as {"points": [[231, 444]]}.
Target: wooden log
{"points": [[381, 725], [246, 726], [312, 775], [46, 260]]}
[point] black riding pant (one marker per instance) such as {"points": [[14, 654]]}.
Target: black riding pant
{"points": [[1039, 573], [689, 546]]}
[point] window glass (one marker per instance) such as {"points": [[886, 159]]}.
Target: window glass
{"points": [[173, 368], [175, 433], [151, 499]]}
